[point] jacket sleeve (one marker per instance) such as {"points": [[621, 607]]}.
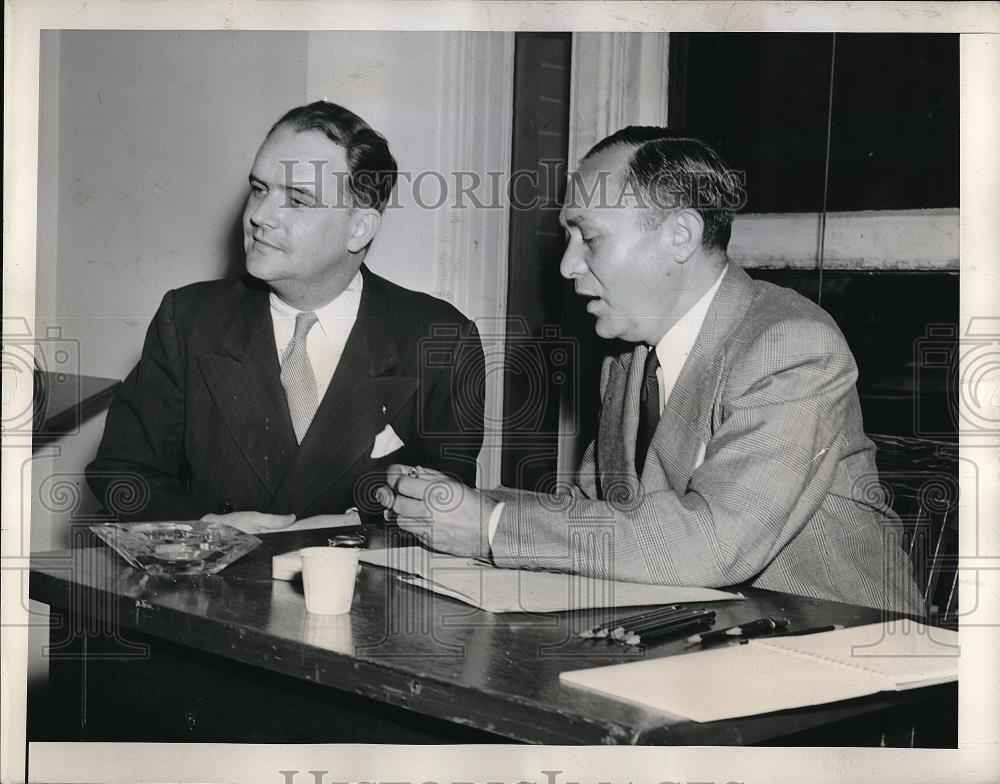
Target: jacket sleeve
{"points": [[451, 423], [767, 468], [140, 463]]}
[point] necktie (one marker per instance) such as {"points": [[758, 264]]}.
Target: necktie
{"points": [[649, 409], [297, 377]]}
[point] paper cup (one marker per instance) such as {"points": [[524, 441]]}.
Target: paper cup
{"points": [[328, 575], [333, 632]]}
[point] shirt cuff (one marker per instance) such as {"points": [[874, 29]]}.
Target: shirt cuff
{"points": [[494, 522]]}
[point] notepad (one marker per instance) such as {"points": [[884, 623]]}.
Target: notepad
{"points": [[515, 590], [782, 673]]}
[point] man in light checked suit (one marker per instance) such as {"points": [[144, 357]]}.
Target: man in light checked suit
{"points": [[730, 447]]}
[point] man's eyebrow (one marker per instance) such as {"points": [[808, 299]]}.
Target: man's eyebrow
{"points": [[299, 190], [304, 191]]}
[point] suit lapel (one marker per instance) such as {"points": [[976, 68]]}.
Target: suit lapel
{"points": [[364, 395], [242, 376], [684, 427], [619, 420]]}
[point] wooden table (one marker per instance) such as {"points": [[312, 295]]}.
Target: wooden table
{"points": [[235, 657]]}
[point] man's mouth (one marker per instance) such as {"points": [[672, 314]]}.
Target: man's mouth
{"points": [[592, 300], [261, 243]]}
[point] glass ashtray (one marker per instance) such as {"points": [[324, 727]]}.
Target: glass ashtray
{"points": [[177, 548]]}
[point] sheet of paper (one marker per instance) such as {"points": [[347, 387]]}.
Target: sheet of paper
{"points": [[514, 590], [724, 683], [906, 653], [319, 521], [783, 673]]}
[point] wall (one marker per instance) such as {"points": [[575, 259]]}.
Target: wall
{"points": [[156, 134], [391, 79]]}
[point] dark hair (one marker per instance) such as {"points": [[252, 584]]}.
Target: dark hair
{"points": [[667, 171], [370, 166]]}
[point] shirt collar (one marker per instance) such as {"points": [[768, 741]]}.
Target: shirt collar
{"points": [[689, 325]]}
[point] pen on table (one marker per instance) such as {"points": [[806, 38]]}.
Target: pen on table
{"points": [[744, 630], [812, 630]]}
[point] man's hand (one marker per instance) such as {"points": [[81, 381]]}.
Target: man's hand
{"points": [[443, 513], [252, 522]]}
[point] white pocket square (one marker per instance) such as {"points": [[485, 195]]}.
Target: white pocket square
{"points": [[701, 456], [386, 443]]}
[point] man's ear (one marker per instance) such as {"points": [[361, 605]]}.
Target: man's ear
{"points": [[684, 237], [365, 224]]}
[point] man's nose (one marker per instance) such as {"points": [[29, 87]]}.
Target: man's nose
{"points": [[265, 212], [572, 264]]}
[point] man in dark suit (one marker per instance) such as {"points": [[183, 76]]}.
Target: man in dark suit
{"points": [[730, 447], [284, 394]]}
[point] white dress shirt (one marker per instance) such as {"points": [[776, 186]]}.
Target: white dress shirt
{"points": [[672, 351], [674, 347], [326, 340]]}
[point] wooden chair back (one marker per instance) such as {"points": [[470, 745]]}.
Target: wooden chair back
{"points": [[920, 479]]}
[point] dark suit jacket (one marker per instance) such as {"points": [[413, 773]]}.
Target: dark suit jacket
{"points": [[759, 470], [201, 424]]}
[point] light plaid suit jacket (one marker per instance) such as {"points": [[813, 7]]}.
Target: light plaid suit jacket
{"points": [[759, 470]]}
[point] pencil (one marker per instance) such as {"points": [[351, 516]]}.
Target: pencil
{"points": [[603, 629], [691, 623], [661, 622], [650, 625]]}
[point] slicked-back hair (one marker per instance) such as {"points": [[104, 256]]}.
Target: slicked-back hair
{"points": [[371, 168], [668, 172]]}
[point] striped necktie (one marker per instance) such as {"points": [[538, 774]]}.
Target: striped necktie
{"points": [[649, 409], [297, 377]]}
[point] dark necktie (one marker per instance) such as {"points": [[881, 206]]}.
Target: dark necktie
{"points": [[649, 410]]}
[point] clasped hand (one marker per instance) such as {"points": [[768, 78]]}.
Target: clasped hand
{"points": [[443, 513]]}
